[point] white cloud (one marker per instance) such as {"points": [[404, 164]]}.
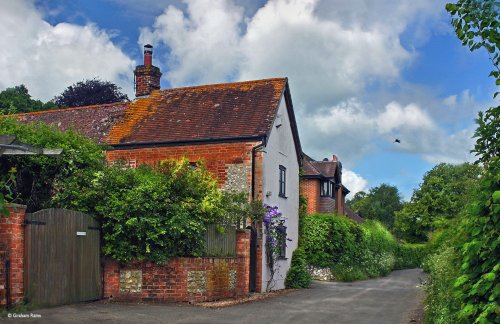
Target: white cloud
{"points": [[345, 130], [352, 130], [396, 117], [49, 58], [354, 182], [450, 101], [325, 59], [204, 42], [333, 52]]}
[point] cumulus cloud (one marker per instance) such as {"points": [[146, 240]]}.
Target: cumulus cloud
{"points": [[204, 42], [325, 59], [354, 182], [49, 58], [352, 130]]}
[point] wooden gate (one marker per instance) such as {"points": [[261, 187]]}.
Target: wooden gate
{"points": [[62, 257]]}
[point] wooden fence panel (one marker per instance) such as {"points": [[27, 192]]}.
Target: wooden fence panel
{"points": [[219, 243], [62, 257]]}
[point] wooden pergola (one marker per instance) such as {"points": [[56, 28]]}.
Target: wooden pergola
{"points": [[10, 146]]}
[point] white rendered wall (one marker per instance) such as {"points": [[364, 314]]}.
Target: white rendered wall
{"points": [[280, 150]]}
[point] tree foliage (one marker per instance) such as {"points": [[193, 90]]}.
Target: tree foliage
{"points": [[443, 194], [149, 213], [36, 178], [477, 288], [477, 24], [90, 92], [17, 100], [380, 203]]}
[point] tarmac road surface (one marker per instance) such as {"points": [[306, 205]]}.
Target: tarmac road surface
{"points": [[391, 299]]}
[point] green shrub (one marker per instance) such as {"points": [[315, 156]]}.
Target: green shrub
{"points": [[298, 276], [410, 255], [327, 237], [442, 302], [353, 251], [479, 278], [149, 213]]}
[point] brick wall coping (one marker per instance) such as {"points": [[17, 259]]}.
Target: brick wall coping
{"points": [[13, 205]]}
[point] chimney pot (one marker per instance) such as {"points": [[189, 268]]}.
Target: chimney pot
{"points": [[334, 158], [148, 55]]}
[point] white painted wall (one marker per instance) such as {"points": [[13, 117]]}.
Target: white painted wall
{"points": [[280, 150]]}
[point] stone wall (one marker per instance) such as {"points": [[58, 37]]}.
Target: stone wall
{"points": [[181, 279]]}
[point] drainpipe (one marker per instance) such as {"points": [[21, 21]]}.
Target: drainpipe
{"points": [[254, 149]]}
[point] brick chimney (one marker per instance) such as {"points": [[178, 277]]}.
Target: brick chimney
{"points": [[147, 76]]}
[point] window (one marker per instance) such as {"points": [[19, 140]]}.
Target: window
{"points": [[282, 241], [282, 181], [327, 189]]}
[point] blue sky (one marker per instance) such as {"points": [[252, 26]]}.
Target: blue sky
{"points": [[361, 72]]}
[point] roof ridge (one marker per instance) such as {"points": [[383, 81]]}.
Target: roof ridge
{"points": [[217, 85], [39, 112]]}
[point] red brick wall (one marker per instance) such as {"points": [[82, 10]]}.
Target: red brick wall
{"points": [[216, 156], [169, 282], [12, 248], [309, 188]]}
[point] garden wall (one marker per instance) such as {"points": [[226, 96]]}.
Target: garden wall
{"points": [[181, 279]]}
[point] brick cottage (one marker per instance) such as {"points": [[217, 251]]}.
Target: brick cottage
{"points": [[245, 132], [321, 185]]}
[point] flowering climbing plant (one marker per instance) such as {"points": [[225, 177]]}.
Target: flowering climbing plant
{"points": [[275, 231]]}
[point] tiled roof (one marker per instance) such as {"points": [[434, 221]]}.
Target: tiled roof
{"points": [[353, 215], [324, 169], [239, 109], [92, 121], [208, 112]]}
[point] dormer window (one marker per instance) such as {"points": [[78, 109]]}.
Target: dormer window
{"points": [[327, 188]]}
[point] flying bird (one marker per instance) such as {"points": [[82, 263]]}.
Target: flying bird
{"points": [[397, 141]]}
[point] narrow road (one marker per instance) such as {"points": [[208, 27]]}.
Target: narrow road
{"points": [[391, 299]]}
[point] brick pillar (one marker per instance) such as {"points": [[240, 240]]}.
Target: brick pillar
{"points": [[243, 255], [111, 278], [12, 251]]}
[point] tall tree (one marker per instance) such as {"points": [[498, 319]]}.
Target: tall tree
{"points": [[90, 92], [18, 100], [443, 194], [476, 24], [379, 203]]}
